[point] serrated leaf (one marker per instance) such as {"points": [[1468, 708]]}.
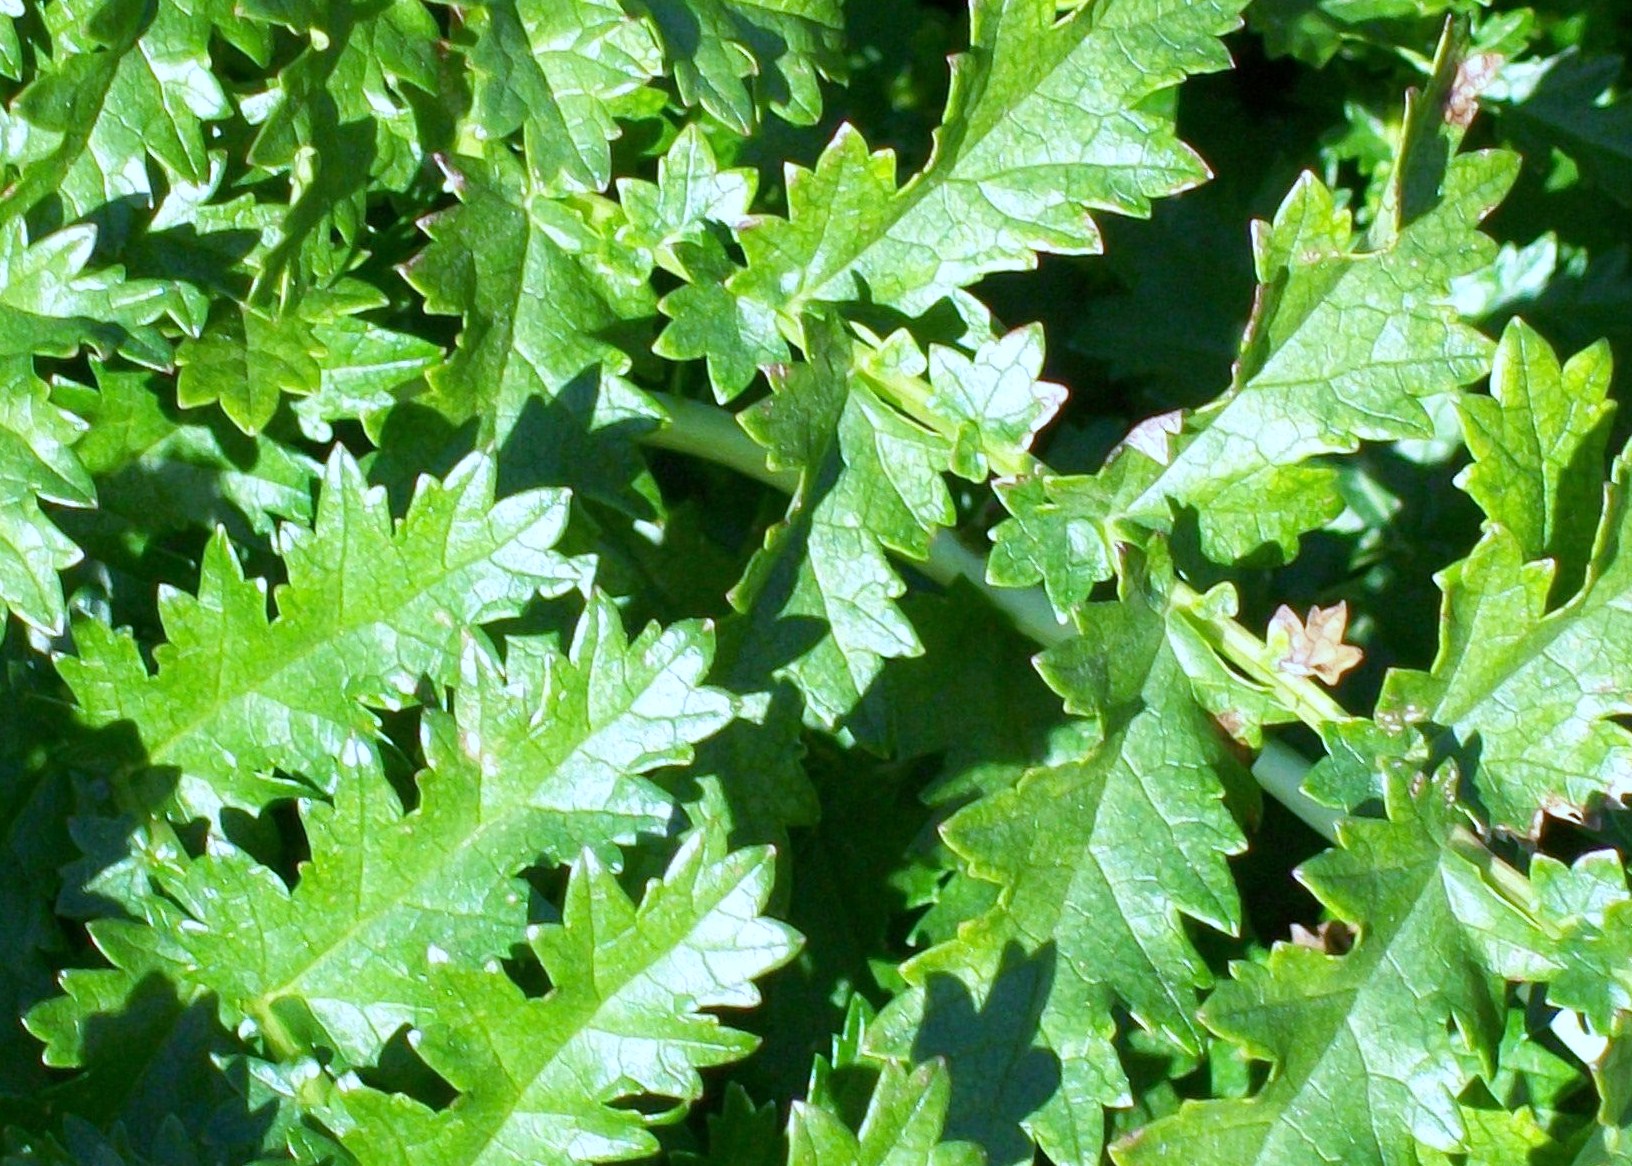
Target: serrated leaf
{"points": [[1524, 695], [997, 399], [1366, 1063], [1344, 345], [126, 82], [1098, 858], [246, 360], [740, 1134], [551, 69], [36, 464], [337, 119], [35, 805], [144, 1052], [159, 472], [371, 608], [691, 192], [902, 1127], [11, 48], [1537, 442], [541, 759], [1589, 904], [52, 304], [543, 293], [1046, 120], [725, 53], [364, 369], [1315, 31], [623, 1019], [869, 481], [1611, 1142]]}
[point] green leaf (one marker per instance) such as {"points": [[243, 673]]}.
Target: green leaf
{"points": [[11, 49], [868, 481], [542, 758], [691, 192], [364, 369], [1344, 345], [51, 305], [543, 293], [714, 47], [552, 68], [740, 1134], [1366, 1059], [996, 401], [623, 1018], [1315, 31], [1588, 902], [127, 81], [371, 608], [1538, 442], [1046, 120], [1524, 695], [158, 471], [36, 464], [1612, 1140], [903, 1126], [145, 1053], [1098, 858], [35, 805], [338, 118], [247, 360]]}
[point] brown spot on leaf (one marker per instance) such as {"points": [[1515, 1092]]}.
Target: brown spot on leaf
{"points": [[1472, 76]]}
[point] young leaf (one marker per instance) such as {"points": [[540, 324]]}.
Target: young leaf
{"points": [[623, 1019], [1537, 442], [1365, 1064], [371, 608], [691, 191]]}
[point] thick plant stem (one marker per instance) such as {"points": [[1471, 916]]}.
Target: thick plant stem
{"points": [[711, 433]]}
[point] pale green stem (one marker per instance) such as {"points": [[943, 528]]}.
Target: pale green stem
{"points": [[712, 433], [1280, 770], [1298, 695]]}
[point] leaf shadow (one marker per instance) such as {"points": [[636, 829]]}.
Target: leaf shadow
{"points": [[152, 1061], [1000, 1076], [561, 441]]}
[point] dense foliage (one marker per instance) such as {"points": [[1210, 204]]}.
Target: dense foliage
{"points": [[757, 582]]}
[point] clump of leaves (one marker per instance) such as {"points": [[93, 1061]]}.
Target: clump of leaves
{"points": [[623, 581]]}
